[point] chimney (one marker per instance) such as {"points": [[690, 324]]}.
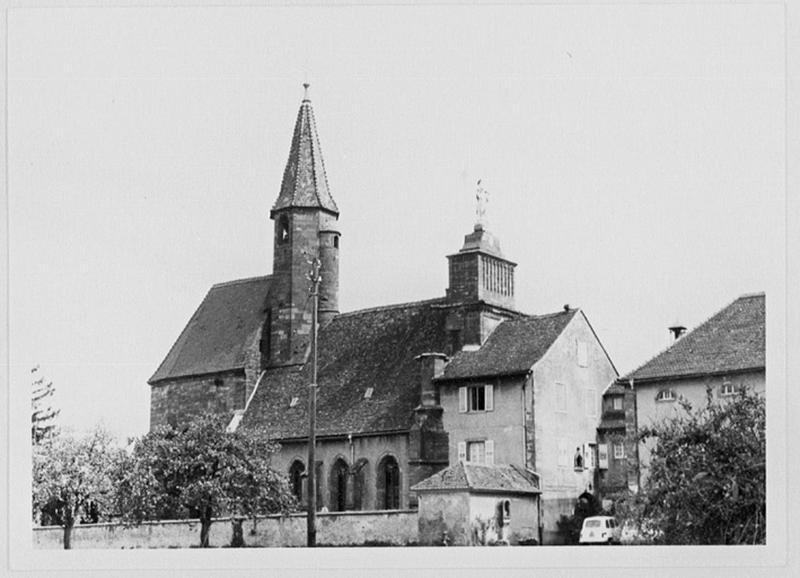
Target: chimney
{"points": [[431, 366], [677, 330]]}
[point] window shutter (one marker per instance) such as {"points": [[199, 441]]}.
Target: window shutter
{"points": [[462, 399], [489, 391], [489, 446], [462, 451]]}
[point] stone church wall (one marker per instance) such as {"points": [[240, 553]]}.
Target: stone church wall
{"points": [[180, 399]]}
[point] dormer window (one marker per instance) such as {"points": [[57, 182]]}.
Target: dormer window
{"points": [[665, 395]]}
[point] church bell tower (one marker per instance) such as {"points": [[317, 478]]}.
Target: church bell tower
{"points": [[306, 227]]}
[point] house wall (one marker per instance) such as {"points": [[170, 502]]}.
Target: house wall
{"points": [[622, 473], [503, 425], [397, 528], [523, 523], [650, 411], [565, 420], [444, 518], [371, 448]]}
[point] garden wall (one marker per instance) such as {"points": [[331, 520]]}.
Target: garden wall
{"points": [[390, 528]]}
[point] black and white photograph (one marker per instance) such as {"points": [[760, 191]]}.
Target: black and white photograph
{"points": [[299, 288]]}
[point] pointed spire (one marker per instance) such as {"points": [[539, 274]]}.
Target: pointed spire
{"points": [[305, 183]]}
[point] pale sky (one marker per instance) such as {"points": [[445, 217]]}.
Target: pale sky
{"points": [[634, 155]]}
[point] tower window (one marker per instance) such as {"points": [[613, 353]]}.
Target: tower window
{"points": [[283, 230], [335, 242]]}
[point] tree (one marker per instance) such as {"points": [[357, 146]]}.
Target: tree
{"points": [[42, 415], [707, 475], [201, 471], [72, 478]]}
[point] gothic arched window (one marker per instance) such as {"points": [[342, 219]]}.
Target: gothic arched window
{"points": [[338, 485], [296, 471], [388, 490]]}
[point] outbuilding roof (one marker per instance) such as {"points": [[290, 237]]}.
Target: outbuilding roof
{"points": [[217, 336], [732, 340], [468, 476], [512, 348]]}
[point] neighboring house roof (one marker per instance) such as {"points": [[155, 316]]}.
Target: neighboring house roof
{"points": [[373, 348], [609, 423], [217, 336], [733, 340], [305, 183], [467, 476], [512, 348]]}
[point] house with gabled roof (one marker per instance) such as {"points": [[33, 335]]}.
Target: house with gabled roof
{"points": [[720, 357], [470, 504], [404, 390]]}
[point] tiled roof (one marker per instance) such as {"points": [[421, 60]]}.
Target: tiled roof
{"points": [[305, 183], [373, 348], [512, 348], [217, 335], [607, 423], [480, 477], [730, 341]]}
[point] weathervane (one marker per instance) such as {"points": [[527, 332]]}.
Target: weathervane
{"points": [[482, 199], [305, 89]]}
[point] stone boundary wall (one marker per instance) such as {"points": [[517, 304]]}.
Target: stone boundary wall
{"points": [[380, 528]]}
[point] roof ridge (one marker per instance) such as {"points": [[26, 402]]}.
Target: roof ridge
{"points": [[750, 295], [239, 281], [390, 307]]}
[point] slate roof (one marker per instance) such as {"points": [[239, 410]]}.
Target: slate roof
{"points": [[305, 183], [216, 337], [512, 348], [370, 348], [732, 340], [467, 476]]}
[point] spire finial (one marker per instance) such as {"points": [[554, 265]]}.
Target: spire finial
{"points": [[305, 93], [482, 199]]}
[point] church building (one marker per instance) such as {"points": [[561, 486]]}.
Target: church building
{"points": [[404, 390]]}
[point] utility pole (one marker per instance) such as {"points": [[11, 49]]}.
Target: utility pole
{"points": [[315, 277]]}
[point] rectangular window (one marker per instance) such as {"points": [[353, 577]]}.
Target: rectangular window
{"points": [[591, 402], [583, 354], [589, 456], [619, 451], [616, 402], [476, 398], [602, 456], [480, 452], [563, 452], [476, 452], [729, 388], [561, 397]]}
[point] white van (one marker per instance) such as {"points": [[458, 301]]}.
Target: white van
{"points": [[600, 530]]}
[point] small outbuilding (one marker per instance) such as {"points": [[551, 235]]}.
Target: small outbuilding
{"points": [[472, 504]]}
